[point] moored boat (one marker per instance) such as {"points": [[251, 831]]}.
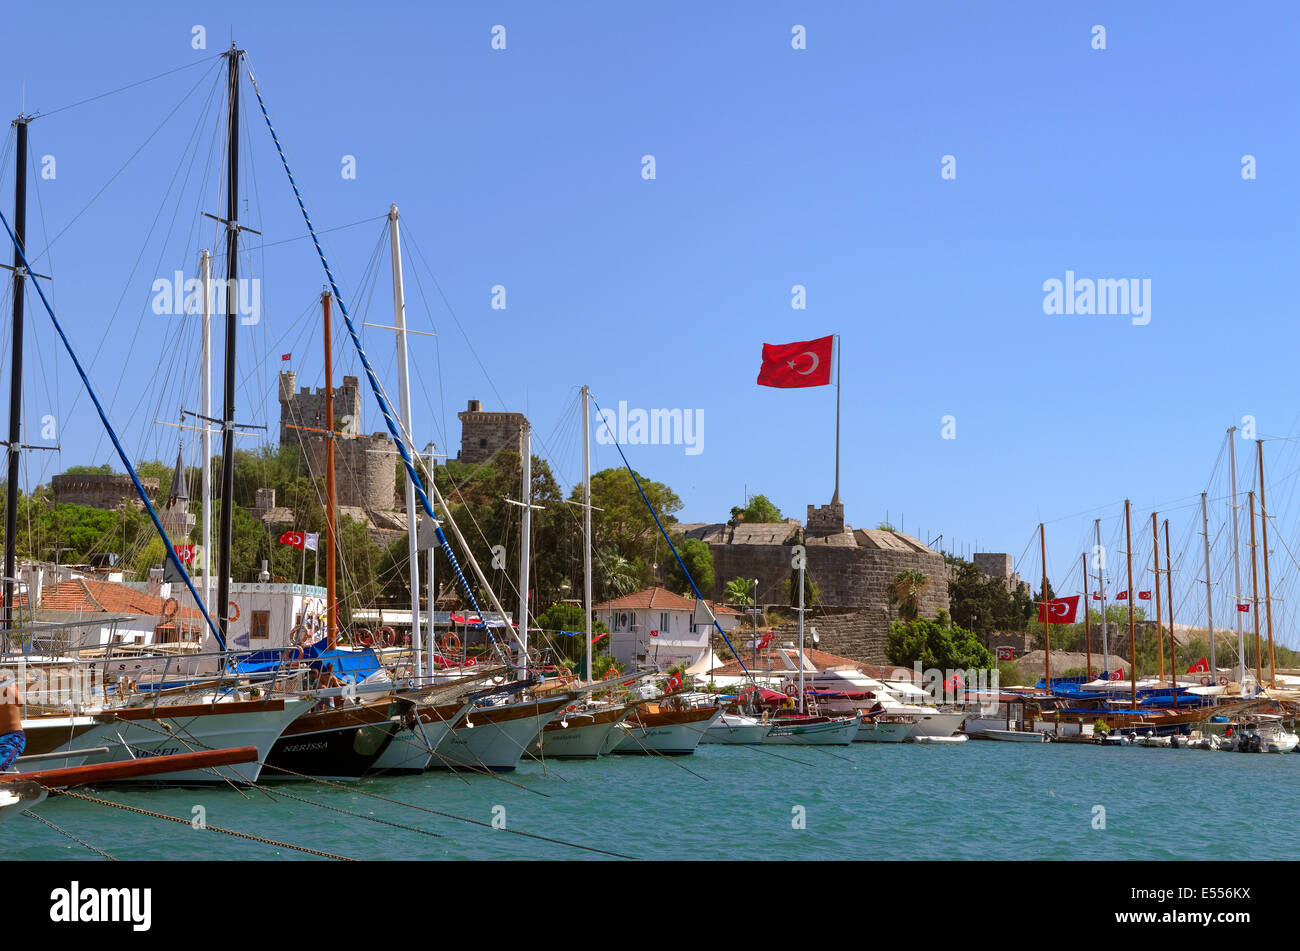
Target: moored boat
{"points": [[813, 731]]}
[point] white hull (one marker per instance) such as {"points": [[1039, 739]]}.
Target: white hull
{"points": [[668, 739], [872, 732], [407, 753], [581, 739], [734, 730], [832, 733], [940, 740], [490, 744], [1015, 736], [133, 739]]}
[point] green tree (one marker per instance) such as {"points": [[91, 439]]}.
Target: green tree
{"points": [[937, 646], [759, 509], [699, 562], [982, 603], [739, 591], [906, 591]]}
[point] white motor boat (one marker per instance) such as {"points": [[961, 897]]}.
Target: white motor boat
{"points": [[813, 731], [1016, 736], [940, 740], [885, 728], [737, 729]]}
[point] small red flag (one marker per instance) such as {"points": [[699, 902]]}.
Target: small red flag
{"points": [[185, 553], [1122, 596], [1243, 607], [803, 363], [1144, 595], [1063, 610], [296, 539], [1117, 674], [1202, 666], [1096, 597], [285, 356]]}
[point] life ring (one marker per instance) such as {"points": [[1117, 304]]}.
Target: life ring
{"points": [[235, 616], [299, 636], [1206, 681], [364, 637], [564, 673], [611, 673], [285, 656], [387, 639], [170, 607], [1223, 681], [791, 690], [448, 640]]}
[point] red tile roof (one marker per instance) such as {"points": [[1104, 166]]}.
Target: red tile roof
{"points": [[768, 659], [659, 599], [88, 596]]}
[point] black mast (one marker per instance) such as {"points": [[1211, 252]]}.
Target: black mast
{"points": [[228, 410], [16, 374]]}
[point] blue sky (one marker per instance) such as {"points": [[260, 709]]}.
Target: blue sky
{"points": [[774, 167]]}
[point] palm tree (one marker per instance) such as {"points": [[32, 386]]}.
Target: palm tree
{"points": [[737, 591], [617, 575], [906, 590]]}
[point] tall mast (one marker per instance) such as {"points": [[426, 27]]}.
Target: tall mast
{"points": [[1236, 559], [1209, 600], [836, 497], [1132, 636], [586, 521], [205, 402], [1169, 593], [1087, 634], [232, 325], [404, 407], [1101, 586], [1254, 599], [801, 655], [525, 538], [1160, 634], [1268, 587], [331, 538], [16, 371], [429, 576], [1047, 615]]}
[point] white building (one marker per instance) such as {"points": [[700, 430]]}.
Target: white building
{"points": [[654, 627]]}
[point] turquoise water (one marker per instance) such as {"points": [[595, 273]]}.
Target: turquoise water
{"points": [[979, 800]]}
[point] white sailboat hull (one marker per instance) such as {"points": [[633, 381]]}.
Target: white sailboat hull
{"points": [[832, 733], [498, 738]]}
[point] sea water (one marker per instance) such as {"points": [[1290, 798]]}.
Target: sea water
{"points": [[979, 800]]}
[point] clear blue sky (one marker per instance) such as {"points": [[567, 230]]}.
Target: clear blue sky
{"points": [[775, 167]]}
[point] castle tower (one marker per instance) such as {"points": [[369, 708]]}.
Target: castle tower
{"points": [[176, 518], [482, 434]]}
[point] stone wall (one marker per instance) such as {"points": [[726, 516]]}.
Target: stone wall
{"points": [[365, 470], [859, 636], [100, 491], [484, 434], [307, 407]]}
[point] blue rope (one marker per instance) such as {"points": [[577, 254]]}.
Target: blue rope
{"points": [[144, 496], [663, 531], [384, 407]]}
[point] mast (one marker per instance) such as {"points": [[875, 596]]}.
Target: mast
{"points": [[1236, 559], [1087, 634], [1268, 587], [1132, 636], [331, 595], [1209, 600], [1160, 635], [429, 576], [525, 538], [16, 371], [836, 497], [404, 407], [586, 522], [801, 655], [1047, 615], [205, 402], [232, 325], [1254, 598], [1101, 587], [1169, 593]]}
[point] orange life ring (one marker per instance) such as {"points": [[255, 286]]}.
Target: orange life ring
{"points": [[364, 637], [563, 673], [791, 690], [448, 640], [170, 607], [285, 657], [611, 673], [299, 636], [235, 616], [386, 640], [1223, 681]]}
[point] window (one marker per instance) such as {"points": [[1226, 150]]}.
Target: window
{"points": [[663, 622], [632, 626], [259, 627]]}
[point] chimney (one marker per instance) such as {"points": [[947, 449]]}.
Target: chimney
{"points": [[155, 583], [475, 406]]}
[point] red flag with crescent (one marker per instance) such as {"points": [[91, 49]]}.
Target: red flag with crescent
{"points": [[296, 539], [1063, 610], [802, 363]]}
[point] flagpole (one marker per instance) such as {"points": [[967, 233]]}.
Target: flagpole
{"points": [[836, 497], [1047, 616], [1209, 597], [1160, 637], [1101, 588], [1132, 636], [1087, 637], [1254, 599]]}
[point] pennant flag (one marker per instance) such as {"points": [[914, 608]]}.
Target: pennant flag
{"points": [[1243, 607], [311, 540], [1144, 595], [597, 639], [285, 356], [1063, 610], [1122, 596], [296, 539], [1202, 666], [803, 363]]}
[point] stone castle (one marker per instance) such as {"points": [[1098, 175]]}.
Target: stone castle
{"points": [[852, 569], [482, 435]]}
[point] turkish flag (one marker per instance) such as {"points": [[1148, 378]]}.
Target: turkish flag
{"points": [[803, 363], [1096, 597], [1117, 674], [1243, 607], [185, 553], [1122, 596], [296, 539], [1063, 610], [1202, 666], [1144, 595]]}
